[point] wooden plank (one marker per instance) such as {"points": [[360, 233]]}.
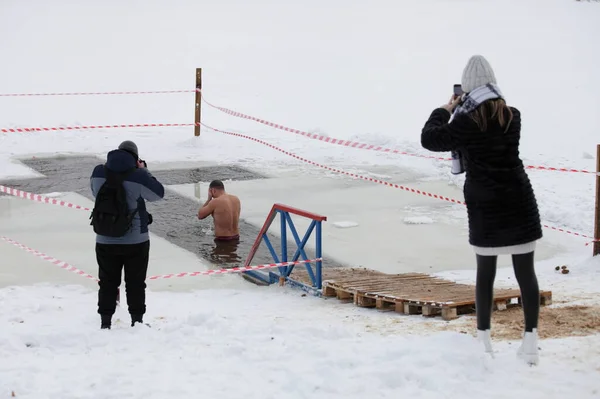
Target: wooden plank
{"points": [[390, 280], [417, 293], [343, 295], [546, 299], [429, 310], [351, 281], [328, 291], [471, 301], [337, 287], [393, 298], [404, 299], [390, 298], [399, 307], [391, 286], [385, 277], [596, 246], [364, 286], [423, 299], [198, 103], [420, 288], [364, 302], [384, 305], [379, 286], [409, 289], [449, 313], [336, 273]]}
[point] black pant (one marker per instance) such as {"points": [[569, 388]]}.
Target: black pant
{"points": [[112, 258], [484, 290]]}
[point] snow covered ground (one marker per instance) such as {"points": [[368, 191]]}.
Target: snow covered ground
{"points": [[367, 72], [262, 343]]}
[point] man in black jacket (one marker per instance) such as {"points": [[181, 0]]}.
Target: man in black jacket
{"points": [[130, 251]]}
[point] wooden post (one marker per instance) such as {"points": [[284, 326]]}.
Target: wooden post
{"points": [[197, 191], [597, 222], [198, 115]]}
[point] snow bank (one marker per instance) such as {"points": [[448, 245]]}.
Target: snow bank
{"points": [[263, 344]]}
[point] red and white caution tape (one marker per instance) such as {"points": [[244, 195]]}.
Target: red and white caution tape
{"points": [[353, 144], [40, 198], [68, 128], [383, 182], [552, 169], [354, 175], [345, 143], [240, 269], [66, 266], [100, 93], [61, 264], [569, 232]]}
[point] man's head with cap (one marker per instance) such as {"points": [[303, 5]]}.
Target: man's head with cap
{"points": [[130, 147], [478, 72]]}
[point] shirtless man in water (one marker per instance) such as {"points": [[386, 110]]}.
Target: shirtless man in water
{"points": [[225, 209]]}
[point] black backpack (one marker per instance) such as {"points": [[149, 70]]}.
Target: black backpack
{"points": [[110, 216]]}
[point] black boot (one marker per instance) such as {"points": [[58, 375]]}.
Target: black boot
{"points": [[105, 321], [136, 318]]}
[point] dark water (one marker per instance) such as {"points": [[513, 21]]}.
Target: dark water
{"points": [[175, 217]]}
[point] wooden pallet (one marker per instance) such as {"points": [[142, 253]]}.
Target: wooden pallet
{"points": [[410, 293]]}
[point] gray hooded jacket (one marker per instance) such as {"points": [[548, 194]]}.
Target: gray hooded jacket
{"points": [[140, 185]]}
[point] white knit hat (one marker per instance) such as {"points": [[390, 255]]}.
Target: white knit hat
{"points": [[478, 72]]}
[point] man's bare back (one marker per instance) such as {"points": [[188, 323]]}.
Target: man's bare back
{"points": [[226, 215], [225, 210]]}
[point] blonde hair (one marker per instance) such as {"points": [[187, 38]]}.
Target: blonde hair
{"points": [[492, 110]]}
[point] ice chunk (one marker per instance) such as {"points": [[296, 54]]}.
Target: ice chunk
{"points": [[418, 220], [345, 225]]}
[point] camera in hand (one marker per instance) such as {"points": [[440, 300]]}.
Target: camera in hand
{"points": [[144, 162]]}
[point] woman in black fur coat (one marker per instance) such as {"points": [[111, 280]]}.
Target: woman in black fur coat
{"points": [[502, 210]]}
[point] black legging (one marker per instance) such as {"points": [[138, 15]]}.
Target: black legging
{"points": [[484, 290]]}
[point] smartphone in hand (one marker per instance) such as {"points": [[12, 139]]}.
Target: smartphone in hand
{"points": [[458, 90]]}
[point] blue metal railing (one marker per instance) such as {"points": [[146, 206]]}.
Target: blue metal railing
{"points": [[284, 212]]}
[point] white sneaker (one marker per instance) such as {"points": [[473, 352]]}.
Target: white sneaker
{"points": [[484, 337], [528, 351]]}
